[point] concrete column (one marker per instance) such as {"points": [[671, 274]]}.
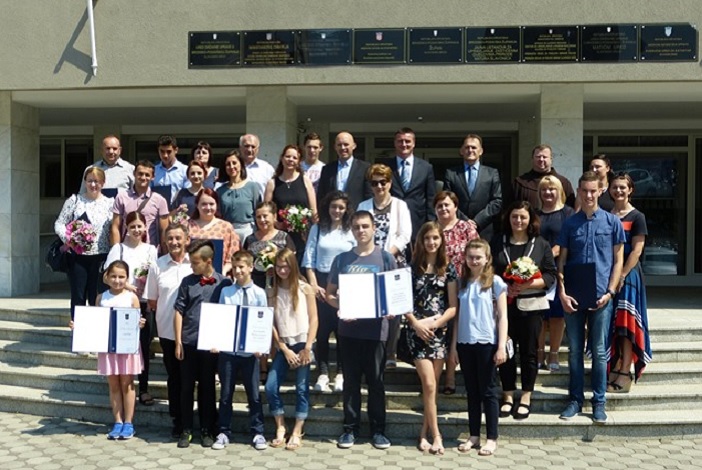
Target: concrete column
{"points": [[528, 139], [273, 118], [561, 126], [99, 133], [19, 192]]}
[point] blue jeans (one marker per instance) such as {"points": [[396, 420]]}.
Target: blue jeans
{"points": [[598, 323], [229, 365], [276, 375]]}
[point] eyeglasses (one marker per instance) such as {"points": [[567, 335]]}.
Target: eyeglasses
{"points": [[379, 182]]}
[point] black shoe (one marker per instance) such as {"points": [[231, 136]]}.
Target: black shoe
{"points": [[504, 414], [520, 416], [184, 439], [206, 439]]}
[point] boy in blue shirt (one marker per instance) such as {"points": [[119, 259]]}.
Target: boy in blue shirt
{"points": [[243, 292]]}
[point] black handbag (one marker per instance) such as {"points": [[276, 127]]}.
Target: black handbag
{"points": [[403, 346], [56, 258]]}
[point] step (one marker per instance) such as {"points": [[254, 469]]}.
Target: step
{"points": [[21, 332], [326, 423]]}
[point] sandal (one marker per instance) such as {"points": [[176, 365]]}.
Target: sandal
{"points": [[437, 448], [146, 399], [471, 443], [614, 387], [295, 442], [518, 415], [488, 450], [279, 440], [423, 445], [506, 413], [449, 390]]}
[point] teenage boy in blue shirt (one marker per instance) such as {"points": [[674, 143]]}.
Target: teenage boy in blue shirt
{"points": [[203, 285], [243, 292]]}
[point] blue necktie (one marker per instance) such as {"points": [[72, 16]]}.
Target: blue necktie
{"points": [[405, 175], [471, 179], [245, 297]]}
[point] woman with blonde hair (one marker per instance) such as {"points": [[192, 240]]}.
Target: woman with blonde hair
{"points": [[552, 212]]}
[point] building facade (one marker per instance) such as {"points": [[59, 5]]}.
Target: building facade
{"points": [[645, 115]]}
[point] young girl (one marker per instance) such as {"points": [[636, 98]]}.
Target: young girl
{"points": [[435, 301], [294, 330], [140, 256], [479, 340], [186, 197], [120, 368]]}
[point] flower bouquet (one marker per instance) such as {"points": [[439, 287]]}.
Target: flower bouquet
{"points": [[296, 218], [80, 237], [521, 271], [181, 216], [265, 259], [140, 274]]}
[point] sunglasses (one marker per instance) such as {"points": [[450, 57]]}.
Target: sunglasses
{"points": [[379, 182]]}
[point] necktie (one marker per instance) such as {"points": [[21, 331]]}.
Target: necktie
{"points": [[245, 296], [204, 281], [471, 179], [405, 175]]}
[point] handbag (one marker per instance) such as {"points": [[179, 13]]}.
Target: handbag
{"points": [[403, 350], [56, 258]]}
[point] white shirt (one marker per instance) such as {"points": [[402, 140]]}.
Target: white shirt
{"points": [[162, 285], [136, 258], [260, 172]]}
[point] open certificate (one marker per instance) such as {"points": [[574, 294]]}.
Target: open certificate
{"points": [[235, 328], [107, 330], [375, 295]]}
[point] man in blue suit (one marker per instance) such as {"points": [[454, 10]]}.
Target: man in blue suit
{"points": [[412, 180], [477, 187]]}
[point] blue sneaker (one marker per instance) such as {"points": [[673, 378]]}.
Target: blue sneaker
{"points": [[346, 441], [379, 441], [116, 431], [127, 432], [598, 413], [571, 411]]}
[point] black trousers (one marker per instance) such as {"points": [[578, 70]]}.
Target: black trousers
{"points": [[328, 324], [198, 366], [146, 335], [480, 376], [85, 279], [524, 329], [363, 357], [173, 369]]}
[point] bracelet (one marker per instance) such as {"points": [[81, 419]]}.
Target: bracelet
{"points": [[611, 292]]}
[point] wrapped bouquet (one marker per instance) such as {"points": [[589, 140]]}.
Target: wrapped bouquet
{"points": [[80, 237], [296, 218], [265, 259], [521, 271], [181, 216]]}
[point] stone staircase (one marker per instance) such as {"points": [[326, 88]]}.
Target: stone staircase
{"points": [[40, 376]]}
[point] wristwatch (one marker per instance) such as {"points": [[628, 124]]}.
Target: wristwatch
{"points": [[611, 292]]}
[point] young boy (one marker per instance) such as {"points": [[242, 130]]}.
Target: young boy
{"points": [[203, 285], [243, 292]]}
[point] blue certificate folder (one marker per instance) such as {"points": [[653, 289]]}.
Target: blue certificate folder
{"points": [[235, 328], [375, 295], [106, 329], [581, 284]]}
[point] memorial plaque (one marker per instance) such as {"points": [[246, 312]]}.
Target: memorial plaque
{"points": [[324, 47], [379, 46], [609, 43], [436, 45], [675, 42], [549, 43], [269, 48], [216, 49], [492, 45]]}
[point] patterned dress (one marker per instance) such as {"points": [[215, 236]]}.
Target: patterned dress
{"points": [[457, 237], [430, 298], [630, 316]]}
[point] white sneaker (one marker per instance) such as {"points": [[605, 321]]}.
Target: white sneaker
{"points": [[259, 442], [339, 383], [221, 442], [322, 383]]}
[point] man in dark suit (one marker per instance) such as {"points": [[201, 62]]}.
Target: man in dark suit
{"points": [[412, 180], [477, 186], [346, 174]]}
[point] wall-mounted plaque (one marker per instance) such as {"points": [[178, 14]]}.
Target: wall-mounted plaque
{"points": [[436, 45], [492, 45], [609, 43], [379, 46], [549, 43], [324, 47], [672, 42], [269, 48], [216, 49]]}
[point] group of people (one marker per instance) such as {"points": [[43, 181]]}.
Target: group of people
{"points": [[458, 243]]}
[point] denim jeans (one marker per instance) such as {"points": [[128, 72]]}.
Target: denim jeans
{"points": [[598, 324], [276, 375], [229, 366]]}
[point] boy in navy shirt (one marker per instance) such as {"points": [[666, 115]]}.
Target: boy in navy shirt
{"points": [[246, 293], [204, 285]]}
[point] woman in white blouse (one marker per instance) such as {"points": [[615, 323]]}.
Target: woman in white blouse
{"points": [[94, 208]]}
